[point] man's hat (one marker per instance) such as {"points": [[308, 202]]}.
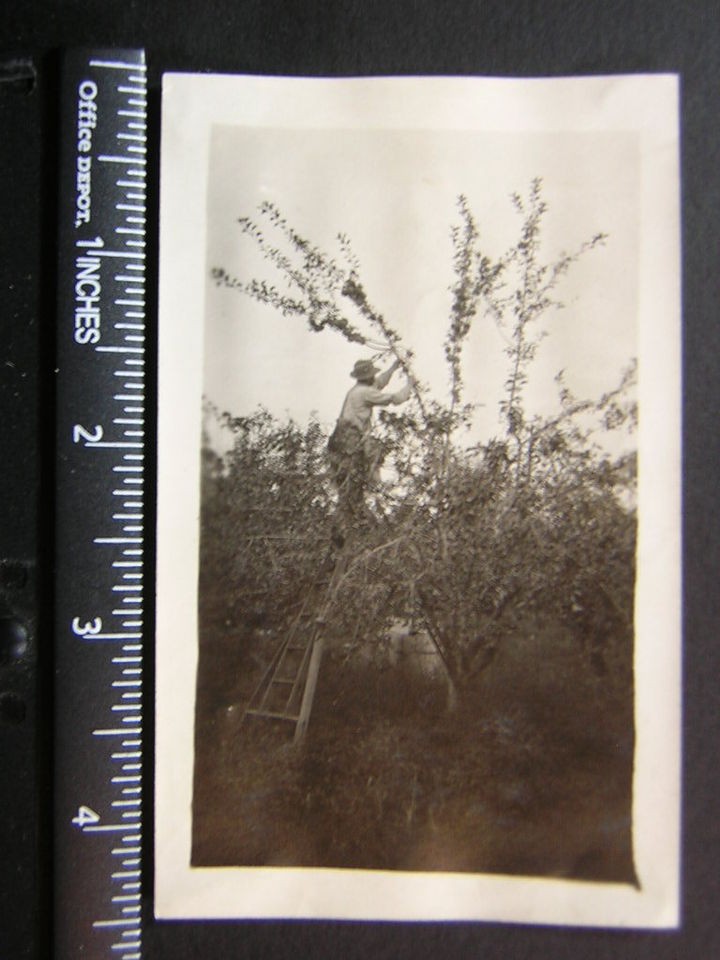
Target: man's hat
{"points": [[364, 370]]}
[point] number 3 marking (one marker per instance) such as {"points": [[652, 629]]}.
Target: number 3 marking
{"points": [[89, 629]]}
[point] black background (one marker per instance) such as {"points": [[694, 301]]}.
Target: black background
{"points": [[329, 37]]}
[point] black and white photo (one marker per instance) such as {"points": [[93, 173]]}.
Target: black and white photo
{"points": [[418, 500]]}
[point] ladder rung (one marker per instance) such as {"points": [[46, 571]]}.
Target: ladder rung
{"points": [[273, 714], [304, 638]]}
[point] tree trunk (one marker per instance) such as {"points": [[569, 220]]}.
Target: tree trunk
{"points": [[452, 699]]}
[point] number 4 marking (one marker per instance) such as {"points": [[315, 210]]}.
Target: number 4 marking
{"points": [[85, 817]]}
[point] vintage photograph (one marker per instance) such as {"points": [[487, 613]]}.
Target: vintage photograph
{"points": [[420, 402]]}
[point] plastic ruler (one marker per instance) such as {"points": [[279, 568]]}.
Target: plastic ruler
{"points": [[100, 506]]}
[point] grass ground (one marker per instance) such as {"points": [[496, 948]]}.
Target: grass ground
{"points": [[532, 775]]}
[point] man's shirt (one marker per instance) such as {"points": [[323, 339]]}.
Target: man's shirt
{"points": [[359, 404]]}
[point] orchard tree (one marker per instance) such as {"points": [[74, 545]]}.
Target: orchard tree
{"points": [[468, 542], [265, 519]]}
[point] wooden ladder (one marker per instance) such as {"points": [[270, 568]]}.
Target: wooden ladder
{"points": [[286, 689]]}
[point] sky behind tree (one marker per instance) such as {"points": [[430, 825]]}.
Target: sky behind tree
{"points": [[394, 194]]}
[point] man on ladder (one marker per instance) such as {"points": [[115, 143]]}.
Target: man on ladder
{"points": [[355, 455]]}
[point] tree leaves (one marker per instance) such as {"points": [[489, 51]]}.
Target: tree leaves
{"points": [[467, 542]]}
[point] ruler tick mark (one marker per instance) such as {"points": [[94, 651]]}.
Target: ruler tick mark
{"points": [[109, 158], [117, 540], [130, 254], [112, 733], [106, 828], [117, 65], [114, 923], [114, 636]]}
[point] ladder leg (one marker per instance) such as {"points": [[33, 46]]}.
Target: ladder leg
{"points": [[309, 692], [265, 700]]}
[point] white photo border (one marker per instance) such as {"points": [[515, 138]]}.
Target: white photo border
{"points": [[645, 105]]}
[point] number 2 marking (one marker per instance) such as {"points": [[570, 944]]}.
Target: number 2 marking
{"points": [[82, 433]]}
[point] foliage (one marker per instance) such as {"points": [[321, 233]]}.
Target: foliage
{"points": [[264, 524], [466, 543], [512, 560]]}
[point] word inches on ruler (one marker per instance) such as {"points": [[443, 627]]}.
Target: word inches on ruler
{"points": [[88, 291]]}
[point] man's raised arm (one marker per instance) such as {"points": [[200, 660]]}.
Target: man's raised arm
{"points": [[382, 379]]}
